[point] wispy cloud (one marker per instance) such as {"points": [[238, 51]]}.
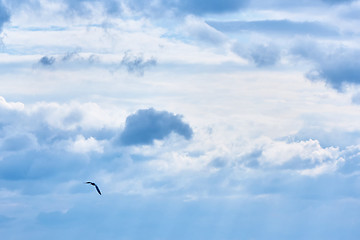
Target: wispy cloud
{"points": [[262, 55], [283, 27], [136, 64]]}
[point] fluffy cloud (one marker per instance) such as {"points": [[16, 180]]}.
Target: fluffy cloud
{"points": [[148, 125], [82, 145]]}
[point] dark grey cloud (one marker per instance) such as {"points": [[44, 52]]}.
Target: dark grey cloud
{"points": [[276, 26], [136, 64], [147, 125], [337, 66]]}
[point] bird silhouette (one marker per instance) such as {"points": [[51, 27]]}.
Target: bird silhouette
{"points": [[97, 188]]}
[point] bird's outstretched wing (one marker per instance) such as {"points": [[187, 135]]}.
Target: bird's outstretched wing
{"points": [[97, 189]]}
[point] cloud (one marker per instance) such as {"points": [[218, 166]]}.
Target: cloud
{"points": [[136, 64], [147, 125], [85, 8], [47, 61], [194, 7], [198, 29], [4, 15], [200, 7], [70, 56], [337, 66], [68, 59], [336, 137], [262, 55], [283, 27], [306, 157], [82, 145]]}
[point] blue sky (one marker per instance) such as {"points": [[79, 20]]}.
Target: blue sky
{"points": [[219, 120]]}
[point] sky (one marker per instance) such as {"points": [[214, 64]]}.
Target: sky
{"points": [[216, 120]]}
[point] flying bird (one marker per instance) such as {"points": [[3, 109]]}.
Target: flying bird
{"points": [[97, 188]]}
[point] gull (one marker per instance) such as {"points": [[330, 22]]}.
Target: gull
{"points": [[97, 188]]}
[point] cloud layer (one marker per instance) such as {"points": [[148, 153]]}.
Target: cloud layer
{"points": [[257, 136]]}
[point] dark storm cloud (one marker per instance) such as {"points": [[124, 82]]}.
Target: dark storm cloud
{"points": [[147, 125]]}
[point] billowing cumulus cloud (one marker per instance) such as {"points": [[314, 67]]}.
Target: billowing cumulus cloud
{"points": [[148, 125]]}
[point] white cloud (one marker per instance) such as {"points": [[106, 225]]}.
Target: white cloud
{"points": [[279, 153], [85, 145], [197, 29], [18, 106]]}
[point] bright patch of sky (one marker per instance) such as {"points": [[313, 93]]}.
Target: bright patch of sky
{"points": [[197, 119]]}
